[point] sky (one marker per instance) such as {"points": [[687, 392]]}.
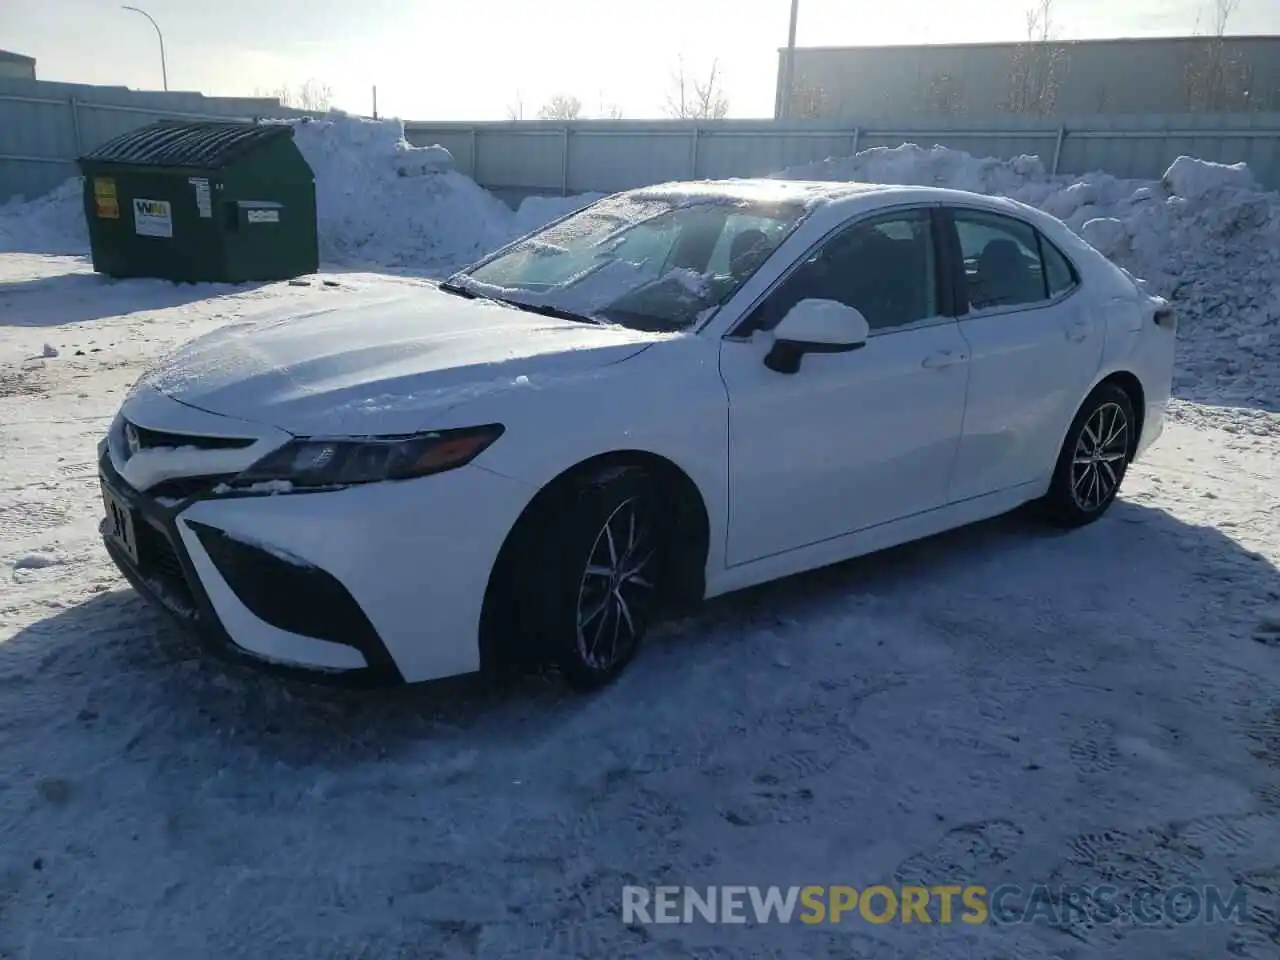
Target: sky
{"points": [[476, 59]]}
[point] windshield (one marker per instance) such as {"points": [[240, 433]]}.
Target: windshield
{"points": [[647, 261]]}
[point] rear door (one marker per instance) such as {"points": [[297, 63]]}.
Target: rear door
{"points": [[1035, 348]]}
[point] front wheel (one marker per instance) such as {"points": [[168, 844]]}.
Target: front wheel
{"points": [[1094, 458], [594, 580]]}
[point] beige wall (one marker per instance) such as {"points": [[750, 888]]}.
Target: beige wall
{"points": [[1173, 75]]}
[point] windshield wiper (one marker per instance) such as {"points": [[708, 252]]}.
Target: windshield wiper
{"points": [[448, 286], [545, 310]]}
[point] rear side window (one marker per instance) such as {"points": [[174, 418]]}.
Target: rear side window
{"points": [[1058, 272], [1002, 264]]}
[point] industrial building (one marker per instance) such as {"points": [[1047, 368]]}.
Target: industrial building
{"points": [[17, 66], [1163, 75]]}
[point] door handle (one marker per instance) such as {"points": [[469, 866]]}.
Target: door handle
{"points": [[943, 358], [1078, 332]]}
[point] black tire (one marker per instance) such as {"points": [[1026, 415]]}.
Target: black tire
{"points": [[1094, 458], [560, 575]]}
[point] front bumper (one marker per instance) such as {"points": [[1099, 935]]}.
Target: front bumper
{"points": [[368, 586], [167, 574]]}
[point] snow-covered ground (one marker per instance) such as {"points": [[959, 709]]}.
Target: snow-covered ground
{"points": [[1003, 704]]}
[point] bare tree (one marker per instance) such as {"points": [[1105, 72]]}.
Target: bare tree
{"points": [[312, 96], [693, 99], [562, 106], [1216, 77], [608, 110], [1038, 65], [809, 100], [515, 111]]}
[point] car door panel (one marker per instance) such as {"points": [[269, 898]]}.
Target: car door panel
{"points": [[852, 439], [1030, 367]]}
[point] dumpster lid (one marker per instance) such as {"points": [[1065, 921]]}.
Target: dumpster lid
{"points": [[209, 144]]}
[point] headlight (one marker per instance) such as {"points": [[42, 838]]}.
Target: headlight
{"points": [[313, 462]]}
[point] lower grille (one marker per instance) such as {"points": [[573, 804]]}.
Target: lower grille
{"points": [[159, 565]]}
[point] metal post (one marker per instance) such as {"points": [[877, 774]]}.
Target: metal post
{"points": [[75, 126], [564, 165], [1057, 148], [789, 68], [164, 69], [857, 135], [375, 101], [693, 152], [475, 154]]}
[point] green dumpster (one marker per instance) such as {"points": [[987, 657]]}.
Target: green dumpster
{"points": [[201, 201]]}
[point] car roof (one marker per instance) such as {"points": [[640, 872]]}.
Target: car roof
{"points": [[820, 192]]}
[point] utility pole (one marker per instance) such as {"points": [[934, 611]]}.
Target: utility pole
{"points": [[164, 70], [375, 101], [789, 68]]}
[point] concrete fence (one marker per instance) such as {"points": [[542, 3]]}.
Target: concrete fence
{"points": [[45, 126], [544, 157]]}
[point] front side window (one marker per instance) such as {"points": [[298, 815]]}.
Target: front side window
{"points": [[885, 268], [1001, 260], [646, 260]]}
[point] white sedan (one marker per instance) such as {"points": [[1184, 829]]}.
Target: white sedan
{"points": [[677, 392]]}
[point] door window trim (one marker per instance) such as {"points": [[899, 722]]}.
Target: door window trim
{"points": [[960, 290], [943, 294]]}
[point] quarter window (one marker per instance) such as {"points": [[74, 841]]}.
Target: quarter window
{"points": [[885, 268], [1058, 272]]}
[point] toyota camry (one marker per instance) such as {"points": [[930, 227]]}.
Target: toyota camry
{"points": [[676, 392]]}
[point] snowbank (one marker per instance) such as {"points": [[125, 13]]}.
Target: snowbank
{"points": [[53, 223], [1204, 235], [381, 200]]}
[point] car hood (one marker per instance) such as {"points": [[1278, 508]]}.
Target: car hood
{"points": [[386, 366]]}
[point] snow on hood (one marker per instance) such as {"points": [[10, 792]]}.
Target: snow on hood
{"points": [[385, 366]]}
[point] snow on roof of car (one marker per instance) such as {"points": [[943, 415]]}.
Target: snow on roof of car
{"points": [[760, 190], [810, 193]]}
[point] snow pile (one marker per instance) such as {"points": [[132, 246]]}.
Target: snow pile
{"points": [[1195, 179], [535, 212], [1204, 236], [381, 200], [53, 223]]}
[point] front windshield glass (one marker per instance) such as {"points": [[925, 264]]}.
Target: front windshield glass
{"points": [[644, 260]]}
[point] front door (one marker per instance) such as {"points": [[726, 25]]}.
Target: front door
{"points": [[852, 439]]}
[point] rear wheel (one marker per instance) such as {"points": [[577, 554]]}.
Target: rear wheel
{"points": [[1094, 458], [593, 573]]}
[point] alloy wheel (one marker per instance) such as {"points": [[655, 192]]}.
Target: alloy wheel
{"points": [[1100, 457], [617, 591]]}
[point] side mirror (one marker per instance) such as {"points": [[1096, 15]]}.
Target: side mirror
{"points": [[815, 326]]}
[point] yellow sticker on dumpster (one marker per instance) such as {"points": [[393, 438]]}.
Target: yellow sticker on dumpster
{"points": [[104, 187], [108, 208]]}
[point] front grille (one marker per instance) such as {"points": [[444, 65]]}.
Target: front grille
{"points": [[180, 488], [148, 439], [159, 565]]}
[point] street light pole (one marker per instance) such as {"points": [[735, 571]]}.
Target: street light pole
{"points": [[789, 69], [164, 70]]}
